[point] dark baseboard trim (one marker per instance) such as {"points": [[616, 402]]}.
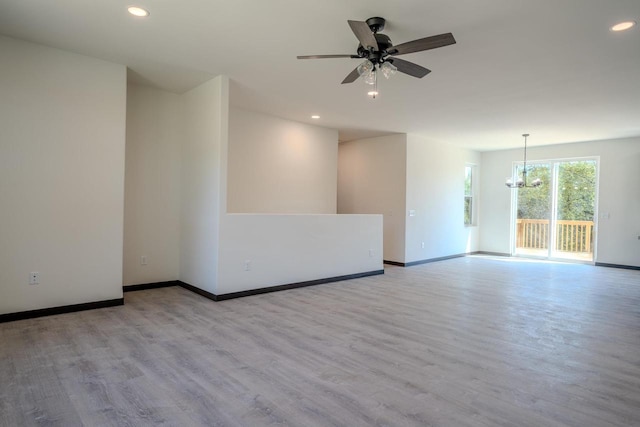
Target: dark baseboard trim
{"points": [[297, 285], [424, 261], [31, 314], [490, 253], [277, 288], [198, 291], [156, 285], [626, 267], [430, 260], [443, 258]]}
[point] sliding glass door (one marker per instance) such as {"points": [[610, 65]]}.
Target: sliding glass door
{"points": [[533, 212], [575, 208], [556, 220]]}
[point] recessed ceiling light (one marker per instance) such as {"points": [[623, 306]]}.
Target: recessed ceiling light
{"points": [[621, 26], [315, 116], [138, 11]]}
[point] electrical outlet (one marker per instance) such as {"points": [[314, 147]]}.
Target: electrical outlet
{"points": [[247, 265], [34, 278], [370, 253], [422, 245], [143, 260]]}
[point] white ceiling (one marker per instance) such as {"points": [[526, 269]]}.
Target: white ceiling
{"points": [[548, 67]]}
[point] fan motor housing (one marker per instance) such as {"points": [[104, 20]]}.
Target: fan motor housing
{"points": [[384, 43], [376, 24]]}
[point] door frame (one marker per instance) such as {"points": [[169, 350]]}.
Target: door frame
{"points": [[554, 204]]}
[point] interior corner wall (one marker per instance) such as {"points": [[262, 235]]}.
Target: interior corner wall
{"points": [[435, 194], [280, 166], [62, 155], [203, 181], [152, 186], [619, 179], [372, 180]]}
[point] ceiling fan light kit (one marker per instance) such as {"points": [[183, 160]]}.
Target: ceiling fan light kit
{"points": [[388, 69], [379, 53], [365, 68]]}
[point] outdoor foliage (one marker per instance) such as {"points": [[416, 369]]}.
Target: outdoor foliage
{"points": [[468, 195], [576, 192], [468, 211], [533, 203]]}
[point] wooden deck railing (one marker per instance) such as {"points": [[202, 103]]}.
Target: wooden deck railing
{"points": [[571, 236]]}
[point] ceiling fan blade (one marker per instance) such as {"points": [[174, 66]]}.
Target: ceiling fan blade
{"points": [[352, 77], [326, 56], [419, 45], [410, 68], [364, 34]]}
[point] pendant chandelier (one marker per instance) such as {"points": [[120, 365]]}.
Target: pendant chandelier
{"points": [[522, 182]]}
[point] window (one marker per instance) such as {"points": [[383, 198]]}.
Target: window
{"points": [[468, 195]]}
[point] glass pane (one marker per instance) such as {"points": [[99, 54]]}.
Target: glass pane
{"points": [[534, 212], [468, 195], [576, 203], [468, 205], [467, 181]]}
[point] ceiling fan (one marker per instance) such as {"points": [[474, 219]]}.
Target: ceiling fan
{"points": [[380, 53]]}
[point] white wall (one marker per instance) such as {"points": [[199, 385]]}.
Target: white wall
{"points": [[62, 153], [194, 149], [617, 236], [280, 166], [435, 191], [285, 249], [203, 180], [152, 185], [372, 180]]}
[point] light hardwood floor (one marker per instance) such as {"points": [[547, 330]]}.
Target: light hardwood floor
{"points": [[474, 341]]}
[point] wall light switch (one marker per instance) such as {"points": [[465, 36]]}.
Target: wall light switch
{"points": [[247, 265], [143, 260]]}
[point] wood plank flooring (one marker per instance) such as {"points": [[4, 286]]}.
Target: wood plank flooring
{"points": [[474, 341]]}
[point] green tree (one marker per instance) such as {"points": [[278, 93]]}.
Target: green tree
{"points": [[576, 192], [533, 203]]}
